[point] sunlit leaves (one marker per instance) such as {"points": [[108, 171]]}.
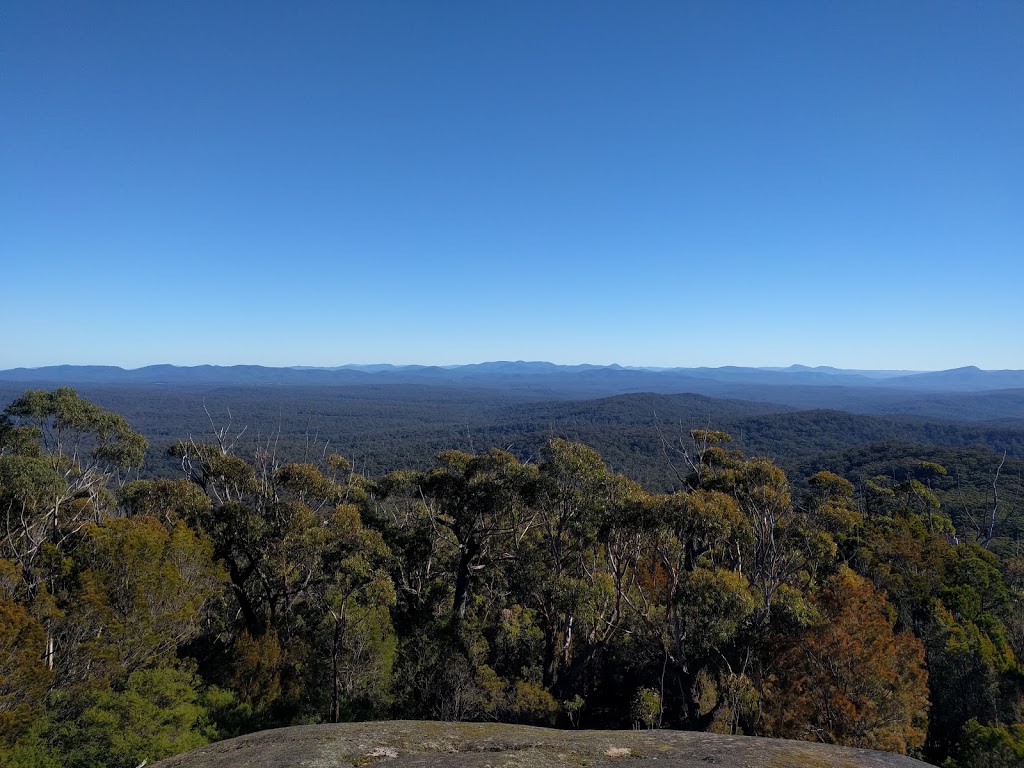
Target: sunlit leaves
{"points": [[24, 678], [64, 423], [714, 604], [143, 591], [156, 714]]}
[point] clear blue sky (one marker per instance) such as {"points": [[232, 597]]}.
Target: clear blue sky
{"points": [[651, 183]]}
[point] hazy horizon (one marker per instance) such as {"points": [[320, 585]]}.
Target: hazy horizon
{"points": [[532, 361]]}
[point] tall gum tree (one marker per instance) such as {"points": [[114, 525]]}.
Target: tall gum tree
{"points": [[482, 501], [59, 454], [309, 579]]}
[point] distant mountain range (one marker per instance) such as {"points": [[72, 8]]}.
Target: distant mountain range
{"points": [[555, 380], [390, 416]]}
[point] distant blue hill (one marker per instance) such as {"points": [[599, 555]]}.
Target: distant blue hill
{"points": [[961, 393], [967, 379], [995, 398]]}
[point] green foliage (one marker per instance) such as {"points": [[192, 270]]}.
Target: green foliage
{"points": [[144, 589], [714, 604], [24, 679], [992, 746], [530, 703], [646, 707], [256, 675], [29, 482], [167, 500], [65, 451], [573, 708], [864, 605], [64, 422], [361, 643], [31, 750], [158, 713]]}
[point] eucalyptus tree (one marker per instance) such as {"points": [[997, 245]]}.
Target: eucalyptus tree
{"points": [[696, 599], [581, 558], [310, 580], [59, 454], [482, 502]]}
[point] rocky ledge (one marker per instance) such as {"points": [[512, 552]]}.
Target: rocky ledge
{"points": [[486, 745]]}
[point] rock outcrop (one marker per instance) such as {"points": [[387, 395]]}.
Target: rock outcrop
{"points": [[484, 745]]}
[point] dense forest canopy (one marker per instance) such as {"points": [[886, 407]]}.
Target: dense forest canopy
{"points": [[873, 602], [391, 426]]}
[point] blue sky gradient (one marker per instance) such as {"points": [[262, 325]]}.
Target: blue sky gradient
{"points": [[655, 183]]}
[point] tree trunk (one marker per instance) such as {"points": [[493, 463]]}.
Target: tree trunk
{"points": [[335, 682], [462, 581]]}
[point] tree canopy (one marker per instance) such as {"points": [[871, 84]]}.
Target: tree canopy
{"points": [[141, 617]]}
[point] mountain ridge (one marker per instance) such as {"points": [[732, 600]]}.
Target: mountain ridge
{"points": [[961, 394], [618, 377]]}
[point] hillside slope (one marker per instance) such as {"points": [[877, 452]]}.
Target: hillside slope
{"points": [[465, 745]]}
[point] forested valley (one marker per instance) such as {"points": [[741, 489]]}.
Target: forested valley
{"points": [[866, 595]]}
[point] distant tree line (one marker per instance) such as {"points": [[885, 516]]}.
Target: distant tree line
{"points": [[141, 618]]}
